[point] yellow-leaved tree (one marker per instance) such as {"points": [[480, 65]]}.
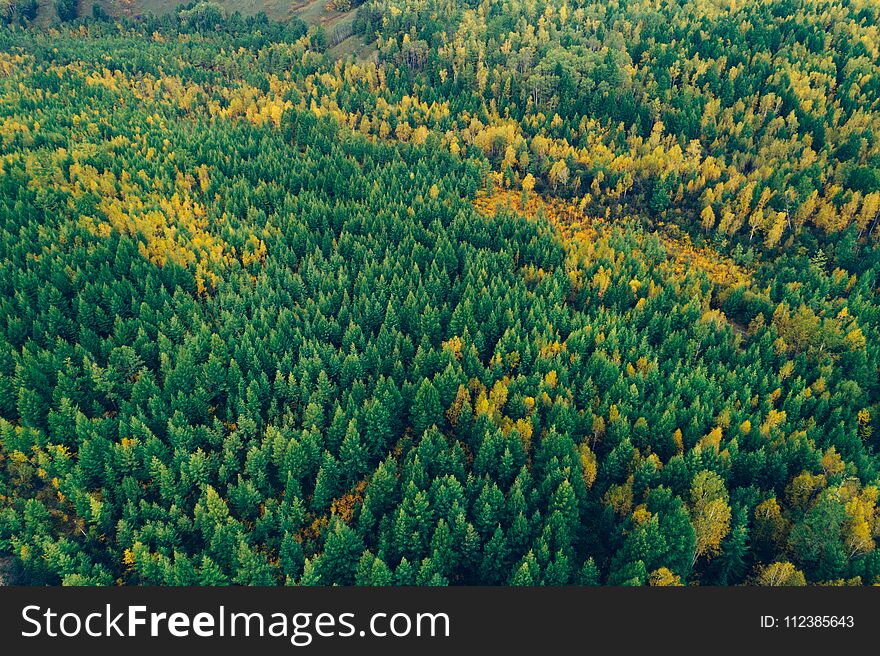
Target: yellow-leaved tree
{"points": [[780, 574], [710, 513]]}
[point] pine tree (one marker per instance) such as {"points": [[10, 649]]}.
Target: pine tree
{"points": [[426, 409]]}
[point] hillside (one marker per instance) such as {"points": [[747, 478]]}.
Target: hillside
{"points": [[317, 13], [312, 12], [528, 293]]}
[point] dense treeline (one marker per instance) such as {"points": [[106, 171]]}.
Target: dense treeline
{"points": [[271, 318]]}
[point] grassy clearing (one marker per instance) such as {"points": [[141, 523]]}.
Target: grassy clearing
{"points": [[313, 12], [276, 9]]}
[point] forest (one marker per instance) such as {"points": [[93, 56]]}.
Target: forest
{"points": [[440, 292]]}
